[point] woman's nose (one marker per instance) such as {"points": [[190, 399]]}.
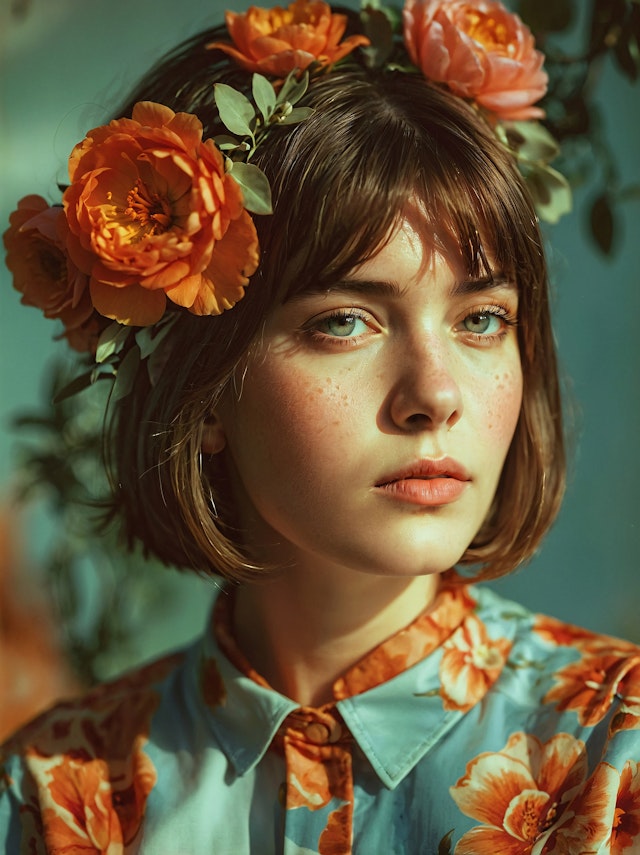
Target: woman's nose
{"points": [[426, 394]]}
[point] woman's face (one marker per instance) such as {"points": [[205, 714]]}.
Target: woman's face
{"points": [[373, 421]]}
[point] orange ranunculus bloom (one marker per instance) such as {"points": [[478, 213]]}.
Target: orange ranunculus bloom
{"points": [[43, 272], [275, 41], [471, 663], [152, 215], [480, 51], [518, 793]]}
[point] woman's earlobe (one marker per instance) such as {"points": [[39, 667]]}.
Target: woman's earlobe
{"points": [[213, 438]]}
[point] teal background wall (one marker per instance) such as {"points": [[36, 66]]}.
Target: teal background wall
{"points": [[66, 62]]}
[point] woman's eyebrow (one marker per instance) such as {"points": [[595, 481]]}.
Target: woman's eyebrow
{"points": [[483, 283], [358, 286]]}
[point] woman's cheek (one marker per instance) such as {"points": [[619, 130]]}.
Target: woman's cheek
{"points": [[503, 402]]}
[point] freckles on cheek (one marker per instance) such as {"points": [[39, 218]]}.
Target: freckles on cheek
{"points": [[503, 404], [304, 405]]}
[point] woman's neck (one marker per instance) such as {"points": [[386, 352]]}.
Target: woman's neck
{"points": [[301, 629]]}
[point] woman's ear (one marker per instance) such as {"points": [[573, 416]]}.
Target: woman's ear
{"points": [[213, 438]]}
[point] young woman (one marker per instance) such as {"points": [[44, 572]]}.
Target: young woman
{"points": [[380, 407]]}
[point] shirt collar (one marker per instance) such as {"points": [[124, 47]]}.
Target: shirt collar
{"points": [[416, 680]]}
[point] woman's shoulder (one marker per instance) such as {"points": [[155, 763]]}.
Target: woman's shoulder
{"points": [[94, 745], [74, 725], [594, 676]]}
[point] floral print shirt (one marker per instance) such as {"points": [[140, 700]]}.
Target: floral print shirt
{"points": [[478, 729]]}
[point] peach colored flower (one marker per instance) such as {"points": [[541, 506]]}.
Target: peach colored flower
{"points": [[152, 215], [276, 41], [43, 272], [589, 686], [518, 793], [471, 663], [480, 51]]}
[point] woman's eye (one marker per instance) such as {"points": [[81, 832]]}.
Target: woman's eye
{"points": [[342, 325], [484, 323]]}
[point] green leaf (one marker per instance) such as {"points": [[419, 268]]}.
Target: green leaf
{"points": [[547, 17], [76, 385], [126, 375], [550, 191], [111, 341], [149, 338], [444, 847], [236, 111], [379, 30], [255, 187], [225, 142], [531, 140], [627, 54], [264, 95], [602, 223], [293, 89], [298, 114]]}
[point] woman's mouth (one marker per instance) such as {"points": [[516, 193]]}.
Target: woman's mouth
{"points": [[427, 482]]}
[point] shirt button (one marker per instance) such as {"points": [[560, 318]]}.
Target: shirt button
{"points": [[320, 734]]}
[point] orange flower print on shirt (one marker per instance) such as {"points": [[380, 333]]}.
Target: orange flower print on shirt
{"points": [[606, 811], [607, 668], [625, 835], [90, 814], [153, 215], [566, 635], [590, 685], [518, 793], [471, 663], [211, 684], [93, 799], [278, 40]]}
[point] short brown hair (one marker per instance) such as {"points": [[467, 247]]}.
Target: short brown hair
{"points": [[340, 180]]}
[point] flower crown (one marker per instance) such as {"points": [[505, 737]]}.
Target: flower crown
{"points": [[155, 219]]}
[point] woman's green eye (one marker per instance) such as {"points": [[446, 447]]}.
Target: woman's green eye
{"points": [[483, 323], [342, 325]]}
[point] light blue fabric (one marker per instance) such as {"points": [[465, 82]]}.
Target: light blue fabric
{"points": [[417, 765]]}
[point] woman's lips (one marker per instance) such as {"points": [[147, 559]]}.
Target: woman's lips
{"points": [[428, 482]]}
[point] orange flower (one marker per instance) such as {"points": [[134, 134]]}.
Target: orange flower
{"points": [[275, 41], [625, 835], [480, 51], [471, 663], [152, 215], [94, 798], [44, 273], [605, 811], [564, 634], [87, 808], [518, 793], [590, 685]]}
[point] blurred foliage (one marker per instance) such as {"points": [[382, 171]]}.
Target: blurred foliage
{"points": [[598, 31], [101, 594]]}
